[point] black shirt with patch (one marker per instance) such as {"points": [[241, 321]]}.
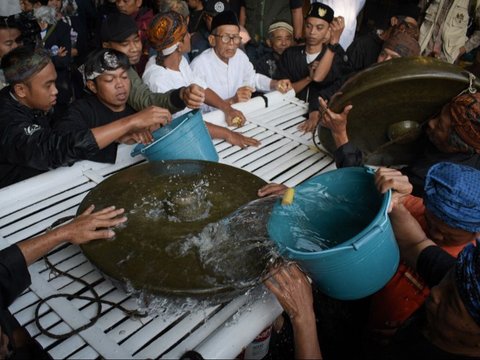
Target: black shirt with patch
{"points": [[29, 146], [89, 113]]}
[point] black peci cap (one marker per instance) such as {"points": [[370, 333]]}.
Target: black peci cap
{"points": [[117, 27]]}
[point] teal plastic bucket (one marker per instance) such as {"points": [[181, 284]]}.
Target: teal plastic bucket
{"points": [[186, 137], [338, 230]]}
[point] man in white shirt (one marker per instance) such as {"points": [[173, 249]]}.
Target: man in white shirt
{"points": [[225, 70]]}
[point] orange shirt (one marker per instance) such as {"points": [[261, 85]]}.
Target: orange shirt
{"points": [[406, 291]]}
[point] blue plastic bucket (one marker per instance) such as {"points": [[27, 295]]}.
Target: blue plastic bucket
{"points": [[338, 230], [186, 137]]}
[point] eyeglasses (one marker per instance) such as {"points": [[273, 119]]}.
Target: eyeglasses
{"points": [[227, 38]]}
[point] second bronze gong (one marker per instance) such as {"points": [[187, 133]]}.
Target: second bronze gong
{"points": [[395, 92]]}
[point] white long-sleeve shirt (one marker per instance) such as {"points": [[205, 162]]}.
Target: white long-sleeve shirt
{"points": [[225, 79], [161, 79]]}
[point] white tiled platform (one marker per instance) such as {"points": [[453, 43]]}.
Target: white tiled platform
{"points": [[28, 208]]}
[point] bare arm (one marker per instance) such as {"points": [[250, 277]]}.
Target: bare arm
{"points": [[292, 289], [151, 117], [410, 236], [84, 228], [325, 64], [232, 137], [297, 21]]}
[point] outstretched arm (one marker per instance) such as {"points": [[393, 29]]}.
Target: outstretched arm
{"points": [[86, 227]]}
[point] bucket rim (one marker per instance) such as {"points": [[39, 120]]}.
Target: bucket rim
{"points": [[188, 116], [379, 219], [141, 149]]}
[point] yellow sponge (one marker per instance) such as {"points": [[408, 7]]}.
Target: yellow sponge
{"points": [[288, 196]]}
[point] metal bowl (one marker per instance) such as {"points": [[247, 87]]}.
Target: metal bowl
{"points": [[404, 132], [164, 212], [413, 88]]}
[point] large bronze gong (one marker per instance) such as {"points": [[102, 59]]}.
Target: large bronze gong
{"points": [[389, 93], [168, 204]]}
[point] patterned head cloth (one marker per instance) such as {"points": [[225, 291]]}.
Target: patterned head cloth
{"points": [[166, 31], [104, 60], [465, 118], [467, 279], [21, 64], [452, 193], [403, 44]]}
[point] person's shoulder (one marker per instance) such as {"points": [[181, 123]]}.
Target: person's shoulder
{"points": [[202, 58]]}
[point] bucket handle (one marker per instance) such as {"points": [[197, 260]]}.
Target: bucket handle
{"points": [[378, 227]]}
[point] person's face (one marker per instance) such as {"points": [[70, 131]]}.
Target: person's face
{"points": [[194, 4], [449, 325], [226, 51], [56, 4], [131, 46], [438, 131], [128, 7], [26, 6], [445, 235], [280, 40], [316, 31], [9, 40], [387, 54], [39, 92], [112, 88], [186, 43]]}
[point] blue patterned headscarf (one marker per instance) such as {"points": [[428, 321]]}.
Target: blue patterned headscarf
{"points": [[467, 278], [452, 193]]}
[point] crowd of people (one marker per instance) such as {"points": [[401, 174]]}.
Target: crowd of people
{"points": [[78, 77]]}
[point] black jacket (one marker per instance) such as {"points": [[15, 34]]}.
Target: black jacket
{"points": [[293, 66], [28, 145]]}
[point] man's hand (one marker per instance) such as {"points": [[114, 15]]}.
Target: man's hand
{"points": [[151, 118], [193, 96], [93, 225], [139, 137], [391, 179], [283, 85], [234, 117], [293, 291], [272, 190], [235, 138], [337, 123], [243, 94], [312, 67], [336, 29], [62, 51], [311, 123]]}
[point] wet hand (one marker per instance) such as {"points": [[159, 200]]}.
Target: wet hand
{"points": [[193, 96], [272, 190], [94, 225], [238, 139], [391, 179], [293, 291]]}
